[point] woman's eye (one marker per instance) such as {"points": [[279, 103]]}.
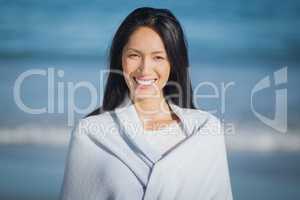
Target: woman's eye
{"points": [[158, 58], [133, 55]]}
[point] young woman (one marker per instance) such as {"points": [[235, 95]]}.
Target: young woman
{"points": [[147, 141]]}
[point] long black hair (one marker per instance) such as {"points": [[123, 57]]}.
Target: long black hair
{"points": [[165, 24]]}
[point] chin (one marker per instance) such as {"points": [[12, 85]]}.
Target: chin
{"points": [[143, 95]]}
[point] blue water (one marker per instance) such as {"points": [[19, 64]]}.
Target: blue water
{"points": [[31, 172], [216, 31], [230, 41], [36, 172], [265, 175]]}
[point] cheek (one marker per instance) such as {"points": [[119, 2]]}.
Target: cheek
{"points": [[129, 68], [164, 73]]}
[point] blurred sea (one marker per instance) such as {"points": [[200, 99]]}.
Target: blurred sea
{"points": [[36, 172], [229, 42]]}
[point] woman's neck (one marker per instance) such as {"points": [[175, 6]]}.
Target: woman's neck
{"points": [[153, 109], [155, 113]]}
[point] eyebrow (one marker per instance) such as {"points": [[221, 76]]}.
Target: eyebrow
{"points": [[154, 52]]}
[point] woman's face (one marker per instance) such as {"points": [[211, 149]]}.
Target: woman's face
{"points": [[146, 67]]}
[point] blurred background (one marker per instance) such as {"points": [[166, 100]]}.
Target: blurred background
{"points": [[231, 43]]}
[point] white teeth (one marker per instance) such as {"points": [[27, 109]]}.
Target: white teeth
{"points": [[145, 82]]}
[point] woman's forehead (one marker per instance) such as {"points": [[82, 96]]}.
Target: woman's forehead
{"points": [[145, 39]]}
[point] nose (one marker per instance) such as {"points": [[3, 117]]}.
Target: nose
{"points": [[146, 65]]}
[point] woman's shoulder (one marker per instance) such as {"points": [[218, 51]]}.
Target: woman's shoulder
{"points": [[209, 121], [200, 113], [103, 116], [94, 124]]}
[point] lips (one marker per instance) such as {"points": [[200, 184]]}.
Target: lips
{"points": [[145, 81]]}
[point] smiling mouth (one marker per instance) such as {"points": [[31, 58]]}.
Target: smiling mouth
{"points": [[145, 81]]}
